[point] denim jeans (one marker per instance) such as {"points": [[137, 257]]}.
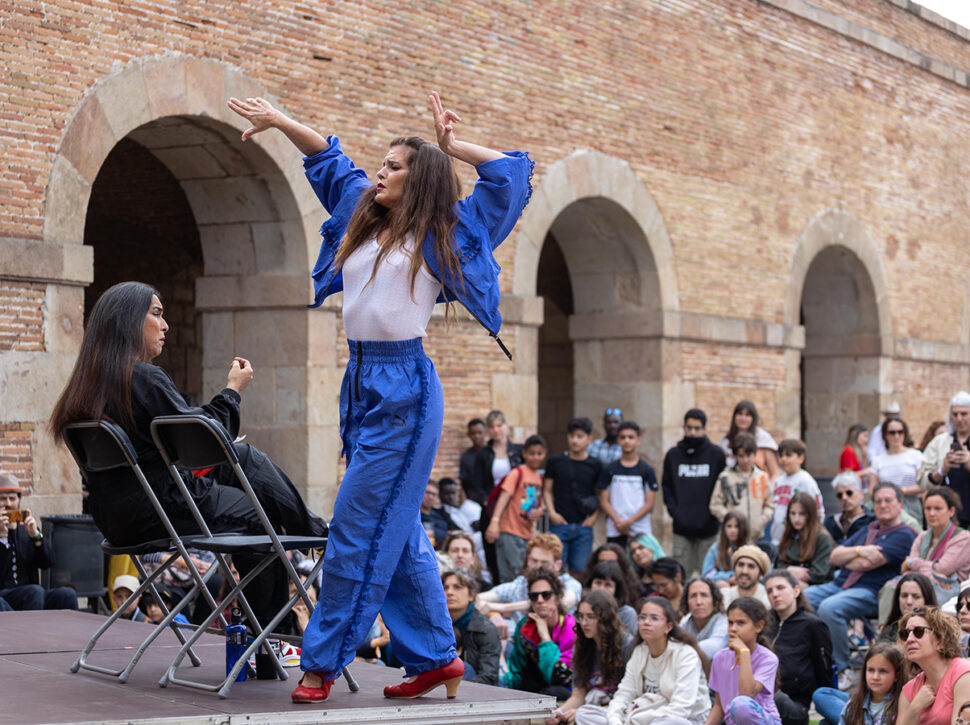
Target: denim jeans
{"points": [[829, 703], [837, 607], [577, 544]]}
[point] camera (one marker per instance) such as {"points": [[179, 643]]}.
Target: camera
{"points": [[15, 516]]}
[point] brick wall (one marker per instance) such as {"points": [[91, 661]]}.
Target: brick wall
{"points": [[16, 452], [21, 316]]}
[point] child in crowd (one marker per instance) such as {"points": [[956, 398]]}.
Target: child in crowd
{"points": [[717, 563], [570, 495], [743, 674], [518, 507], [876, 700], [794, 478], [805, 544], [626, 489], [744, 487]]}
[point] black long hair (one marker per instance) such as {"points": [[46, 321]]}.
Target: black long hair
{"points": [[611, 571], [756, 612], [114, 339], [926, 588], [733, 430], [609, 642]]}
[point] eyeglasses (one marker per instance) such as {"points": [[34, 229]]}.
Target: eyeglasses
{"points": [[544, 595], [844, 494], [614, 411], [918, 631], [580, 617], [649, 618], [961, 721], [895, 432]]}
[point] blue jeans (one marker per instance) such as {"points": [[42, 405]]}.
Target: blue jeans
{"points": [[577, 544], [837, 607], [829, 703], [32, 597]]}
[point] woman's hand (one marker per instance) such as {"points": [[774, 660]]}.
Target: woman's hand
{"points": [[258, 112], [240, 374], [443, 120], [800, 573], [924, 697]]}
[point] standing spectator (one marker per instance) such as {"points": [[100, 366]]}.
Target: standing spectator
{"points": [[854, 515], [705, 618], [482, 646], [718, 564], [946, 461], [667, 577], [627, 488], [466, 464], [745, 420], [464, 513], [435, 519], [802, 644], [744, 487], [606, 448], [750, 564], [877, 444], [937, 427], [900, 464], [794, 478], [518, 507], [690, 472], [494, 460], [805, 544], [867, 559], [570, 495], [22, 552], [853, 456], [942, 552]]}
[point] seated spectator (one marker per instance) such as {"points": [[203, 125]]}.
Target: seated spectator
{"points": [[734, 534], [627, 488], [154, 613], [745, 488], [511, 600], [375, 650], [745, 421], [607, 576], [853, 456], [794, 478], [123, 587], [667, 577], [570, 495], [749, 563], [743, 674], [301, 613], [867, 559], [900, 464], [22, 552], [942, 552], [912, 591], [482, 647], [643, 551], [876, 700], [705, 618], [475, 430], [963, 617], [176, 580], [805, 544], [946, 460], [802, 644], [853, 515], [460, 548], [465, 513], [517, 509], [436, 521], [937, 694], [666, 675], [600, 652], [542, 648], [611, 552]]}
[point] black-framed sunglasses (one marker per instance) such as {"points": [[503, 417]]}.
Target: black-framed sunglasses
{"points": [[544, 595], [842, 494], [918, 631], [963, 603], [895, 432]]}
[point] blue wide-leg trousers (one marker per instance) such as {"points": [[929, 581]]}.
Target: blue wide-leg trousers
{"points": [[379, 558]]}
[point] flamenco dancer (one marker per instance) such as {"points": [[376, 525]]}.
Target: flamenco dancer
{"points": [[395, 248]]}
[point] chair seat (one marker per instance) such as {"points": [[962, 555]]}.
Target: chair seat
{"points": [[228, 543], [154, 546]]}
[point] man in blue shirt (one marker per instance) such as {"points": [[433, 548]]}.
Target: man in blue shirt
{"points": [[868, 559]]}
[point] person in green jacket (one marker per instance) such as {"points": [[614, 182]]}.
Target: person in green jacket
{"points": [[805, 545]]}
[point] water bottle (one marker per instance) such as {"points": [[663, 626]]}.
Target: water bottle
{"points": [[236, 644]]}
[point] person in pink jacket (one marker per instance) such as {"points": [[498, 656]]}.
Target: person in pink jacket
{"points": [[942, 552]]}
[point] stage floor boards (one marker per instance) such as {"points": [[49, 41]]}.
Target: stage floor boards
{"points": [[38, 648]]}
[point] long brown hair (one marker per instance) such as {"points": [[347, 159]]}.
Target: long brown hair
{"points": [[853, 708], [114, 339], [609, 642], [724, 552], [808, 535], [427, 206], [676, 633]]}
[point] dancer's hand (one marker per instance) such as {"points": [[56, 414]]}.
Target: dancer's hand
{"points": [[443, 120], [258, 112]]}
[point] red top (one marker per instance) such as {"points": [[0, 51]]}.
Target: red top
{"points": [[941, 711], [848, 461]]}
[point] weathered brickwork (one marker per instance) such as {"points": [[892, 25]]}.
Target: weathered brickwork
{"points": [[16, 452], [21, 316]]}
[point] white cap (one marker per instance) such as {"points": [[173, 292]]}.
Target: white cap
{"points": [[125, 581]]}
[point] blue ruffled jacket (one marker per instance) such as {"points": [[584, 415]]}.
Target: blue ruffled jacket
{"points": [[485, 219]]}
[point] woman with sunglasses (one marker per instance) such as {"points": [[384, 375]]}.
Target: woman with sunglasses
{"points": [[931, 640], [900, 464], [963, 616], [942, 552], [542, 648]]}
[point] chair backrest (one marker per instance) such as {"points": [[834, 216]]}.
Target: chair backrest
{"points": [[192, 441], [99, 445]]}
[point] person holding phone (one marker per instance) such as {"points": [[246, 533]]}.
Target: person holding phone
{"points": [[946, 460], [23, 551]]}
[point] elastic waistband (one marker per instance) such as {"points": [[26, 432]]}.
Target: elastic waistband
{"points": [[385, 350]]}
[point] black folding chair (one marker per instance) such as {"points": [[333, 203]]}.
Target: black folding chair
{"points": [[99, 446], [194, 442]]}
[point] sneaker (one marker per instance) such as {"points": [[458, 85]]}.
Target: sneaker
{"points": [[289, 655], [848, 679], [857, 642]]}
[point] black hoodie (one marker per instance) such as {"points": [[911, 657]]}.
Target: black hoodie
{"points": [[690, 472]]}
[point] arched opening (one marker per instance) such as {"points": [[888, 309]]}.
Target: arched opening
{"points": [[142, 228], [555, 346], [841, 358]]}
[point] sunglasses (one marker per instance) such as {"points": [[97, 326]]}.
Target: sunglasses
{"points": [[963, 603], [545, 595], [918, 631], [614, 411], [894, 432], [844, 494]]}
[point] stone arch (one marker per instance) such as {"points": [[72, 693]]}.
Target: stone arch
{"points": [[257, 220]]}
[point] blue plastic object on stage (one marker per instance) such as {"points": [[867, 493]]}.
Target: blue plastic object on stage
{"points": [[236, 644]]}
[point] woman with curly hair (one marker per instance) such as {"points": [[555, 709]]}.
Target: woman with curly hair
{"points": [[931, 640], [705, 618], [600, 653]]}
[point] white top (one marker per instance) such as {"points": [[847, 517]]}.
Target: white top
{"points": [[877, 446], [501, 467], [785, 487], [383, 308], [899, 468]]}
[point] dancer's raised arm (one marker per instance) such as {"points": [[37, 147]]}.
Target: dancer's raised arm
{"points": [[462, 150], [262, 115]]}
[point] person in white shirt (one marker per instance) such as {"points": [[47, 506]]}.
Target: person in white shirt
{"points": [[794, 478], [877, 444], [900, 464]]}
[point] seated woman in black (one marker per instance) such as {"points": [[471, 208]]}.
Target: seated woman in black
{"points": [[113, 379]]}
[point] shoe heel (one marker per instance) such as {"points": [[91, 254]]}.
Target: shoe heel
{"points": [[452, 687]]}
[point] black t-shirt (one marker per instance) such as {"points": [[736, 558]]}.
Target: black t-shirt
{"points": [[571, 482]]}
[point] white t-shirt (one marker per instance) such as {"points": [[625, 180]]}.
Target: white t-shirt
{"points": [[899, 468], [785, 487], [383, 308], [500, 469]]}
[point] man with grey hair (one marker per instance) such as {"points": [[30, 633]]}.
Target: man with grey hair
{"points": [[946, 460], [853, 515]]}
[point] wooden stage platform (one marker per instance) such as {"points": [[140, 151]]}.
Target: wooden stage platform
{"points": [[38, 648]]}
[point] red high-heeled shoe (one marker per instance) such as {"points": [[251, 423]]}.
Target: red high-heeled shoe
{"points": [[448, 675], [303, 694]]}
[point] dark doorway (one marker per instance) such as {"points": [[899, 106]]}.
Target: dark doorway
{"points": [[556, 384]]}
